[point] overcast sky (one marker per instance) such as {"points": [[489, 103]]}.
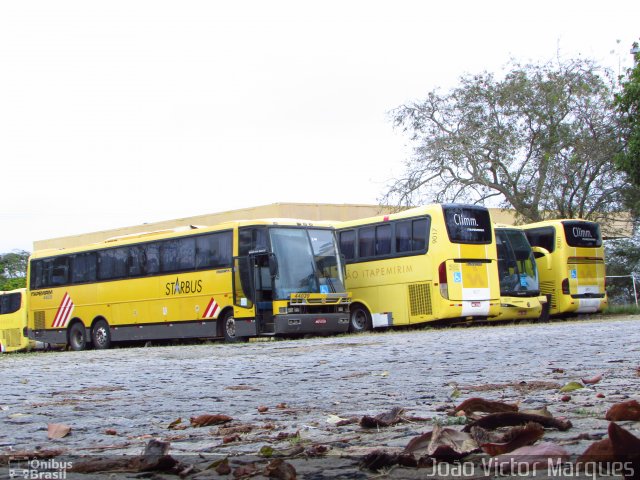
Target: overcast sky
{"points": [[116, 113]]}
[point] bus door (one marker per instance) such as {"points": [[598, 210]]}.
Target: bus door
{"points": [[261, 265], [253, 292]]}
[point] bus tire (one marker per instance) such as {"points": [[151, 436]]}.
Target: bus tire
{"points": [[77, 337], [359, 319], [101, 335], [229, 328], [546, 310]]}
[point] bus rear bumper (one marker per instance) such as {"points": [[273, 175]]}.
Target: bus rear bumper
{"points": [[311, 323]]}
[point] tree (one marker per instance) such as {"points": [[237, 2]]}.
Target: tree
{"points": [[13, 269], [540, 140], [628, 103], [623, 259]]}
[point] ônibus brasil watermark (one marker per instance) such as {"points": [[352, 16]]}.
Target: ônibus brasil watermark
{"points": [[36, 469]]}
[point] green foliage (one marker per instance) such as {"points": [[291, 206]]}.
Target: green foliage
{"points": [[13, 269], [540, 139], [12, 283], [622, 259], [628, 103]]}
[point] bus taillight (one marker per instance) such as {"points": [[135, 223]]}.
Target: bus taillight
{"points": [[565, 286], [442, 278]]}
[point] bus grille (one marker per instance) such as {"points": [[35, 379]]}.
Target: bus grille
{"points": [[420, 299], [38, 320], [13, 337], [547, 288]]}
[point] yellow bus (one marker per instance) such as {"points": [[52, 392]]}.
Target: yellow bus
{"points": [[520, 296], [235, 280], [570, 259], [435, 262], [13, 320]]}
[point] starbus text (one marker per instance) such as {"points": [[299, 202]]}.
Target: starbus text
{"points": [[183, 287]]}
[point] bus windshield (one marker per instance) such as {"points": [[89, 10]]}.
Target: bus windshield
{"points": [[308, 261], [516, 264], [467, 224]]}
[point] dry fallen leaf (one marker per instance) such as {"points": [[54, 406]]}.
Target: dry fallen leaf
{"points": [[385, 419], [539, 456], [207, 420], [544, 412], [629, 410], [57, 430], [505, 419], [598, 452], [515, 438], [486, 406], [280, 469], [175, 423], [592, 380], [445, 444]]}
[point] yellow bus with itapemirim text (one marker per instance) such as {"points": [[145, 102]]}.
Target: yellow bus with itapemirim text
{"points": [[431, 263]]}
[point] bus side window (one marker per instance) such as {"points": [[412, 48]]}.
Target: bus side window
{"points": [[403, 236], [348, 244], [541, 237], [383, 239], [83, 267], [366, 242], [420, 233], [60, 271], [214, 250]]}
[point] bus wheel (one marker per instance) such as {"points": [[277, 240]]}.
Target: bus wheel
{"points": [[359, 319], [77, 337], [101, 335], [229, 328], [546, 310]]}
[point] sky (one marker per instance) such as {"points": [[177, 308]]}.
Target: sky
{"points": [[116, 113]]}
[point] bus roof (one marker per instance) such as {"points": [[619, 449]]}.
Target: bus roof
{"points": [[554, 222], [409, 213], [179, 232]]}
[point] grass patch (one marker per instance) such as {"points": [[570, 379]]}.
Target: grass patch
{"points": [[630, 309]]}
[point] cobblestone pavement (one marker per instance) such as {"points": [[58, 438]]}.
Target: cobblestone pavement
{"points": [[284, 397]]}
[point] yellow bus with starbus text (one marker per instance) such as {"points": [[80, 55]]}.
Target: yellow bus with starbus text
{"points": [[431, 263], [570, 259], [235, 280], [520, 296], [13, 320]]}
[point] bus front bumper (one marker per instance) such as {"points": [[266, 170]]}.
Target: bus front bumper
{"points": [[311, 323]]}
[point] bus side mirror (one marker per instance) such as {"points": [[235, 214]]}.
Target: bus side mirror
{"points": [[273, 265], [539, 252]]}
